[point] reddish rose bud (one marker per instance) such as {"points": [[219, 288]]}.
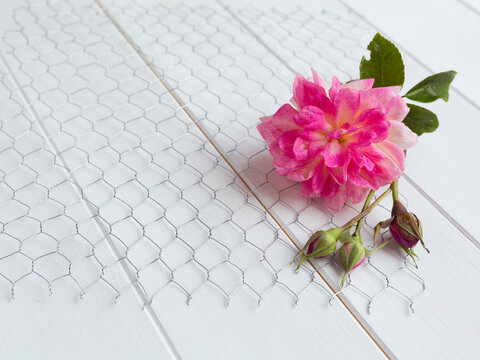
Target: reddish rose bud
{"points": [[405, 228]]}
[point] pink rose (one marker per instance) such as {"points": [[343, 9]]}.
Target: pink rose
{"points": [[340, 142]]}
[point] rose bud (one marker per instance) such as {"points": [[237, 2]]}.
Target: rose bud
{"points": [[352, 253], [404, 227], [321, 243]]}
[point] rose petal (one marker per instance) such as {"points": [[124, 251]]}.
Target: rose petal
{"points": [[371, 121], [401, 135], [397, 109], [313, 118], [330, 187], [357, 193], [364, 178], [385, 94], [319, 81], [300, 148], [272, 127], [339, 174], [315, 184], [337, 201], [335, 88], [306, 92], [333, 154], [347, 103], [393, 152], [364, 84]]}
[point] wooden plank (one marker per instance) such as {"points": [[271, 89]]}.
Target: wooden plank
{"points": [[399, 276], [207, 330], [62, 326]]}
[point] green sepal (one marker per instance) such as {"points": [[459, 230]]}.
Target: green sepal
{"points": [[372, 252], [411, 253], [381, 225], [346, 237]]}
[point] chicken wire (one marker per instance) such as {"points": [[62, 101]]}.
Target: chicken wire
{"points": [[129, 155]]}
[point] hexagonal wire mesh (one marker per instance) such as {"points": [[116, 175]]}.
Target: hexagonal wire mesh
{"points": [[129, 155]]}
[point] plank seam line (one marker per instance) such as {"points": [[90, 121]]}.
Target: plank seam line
{"points": [[440, 209], [469, 6]]}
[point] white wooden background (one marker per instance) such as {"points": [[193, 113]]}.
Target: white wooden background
{"points": [[440, 184]]}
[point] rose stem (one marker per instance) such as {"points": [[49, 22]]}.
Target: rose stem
{"points": [[367, 210], [365, 205], [394, 187]]}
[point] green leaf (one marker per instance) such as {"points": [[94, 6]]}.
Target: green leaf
{"points": [[385, 64], [432, 88], [420, 120]]}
